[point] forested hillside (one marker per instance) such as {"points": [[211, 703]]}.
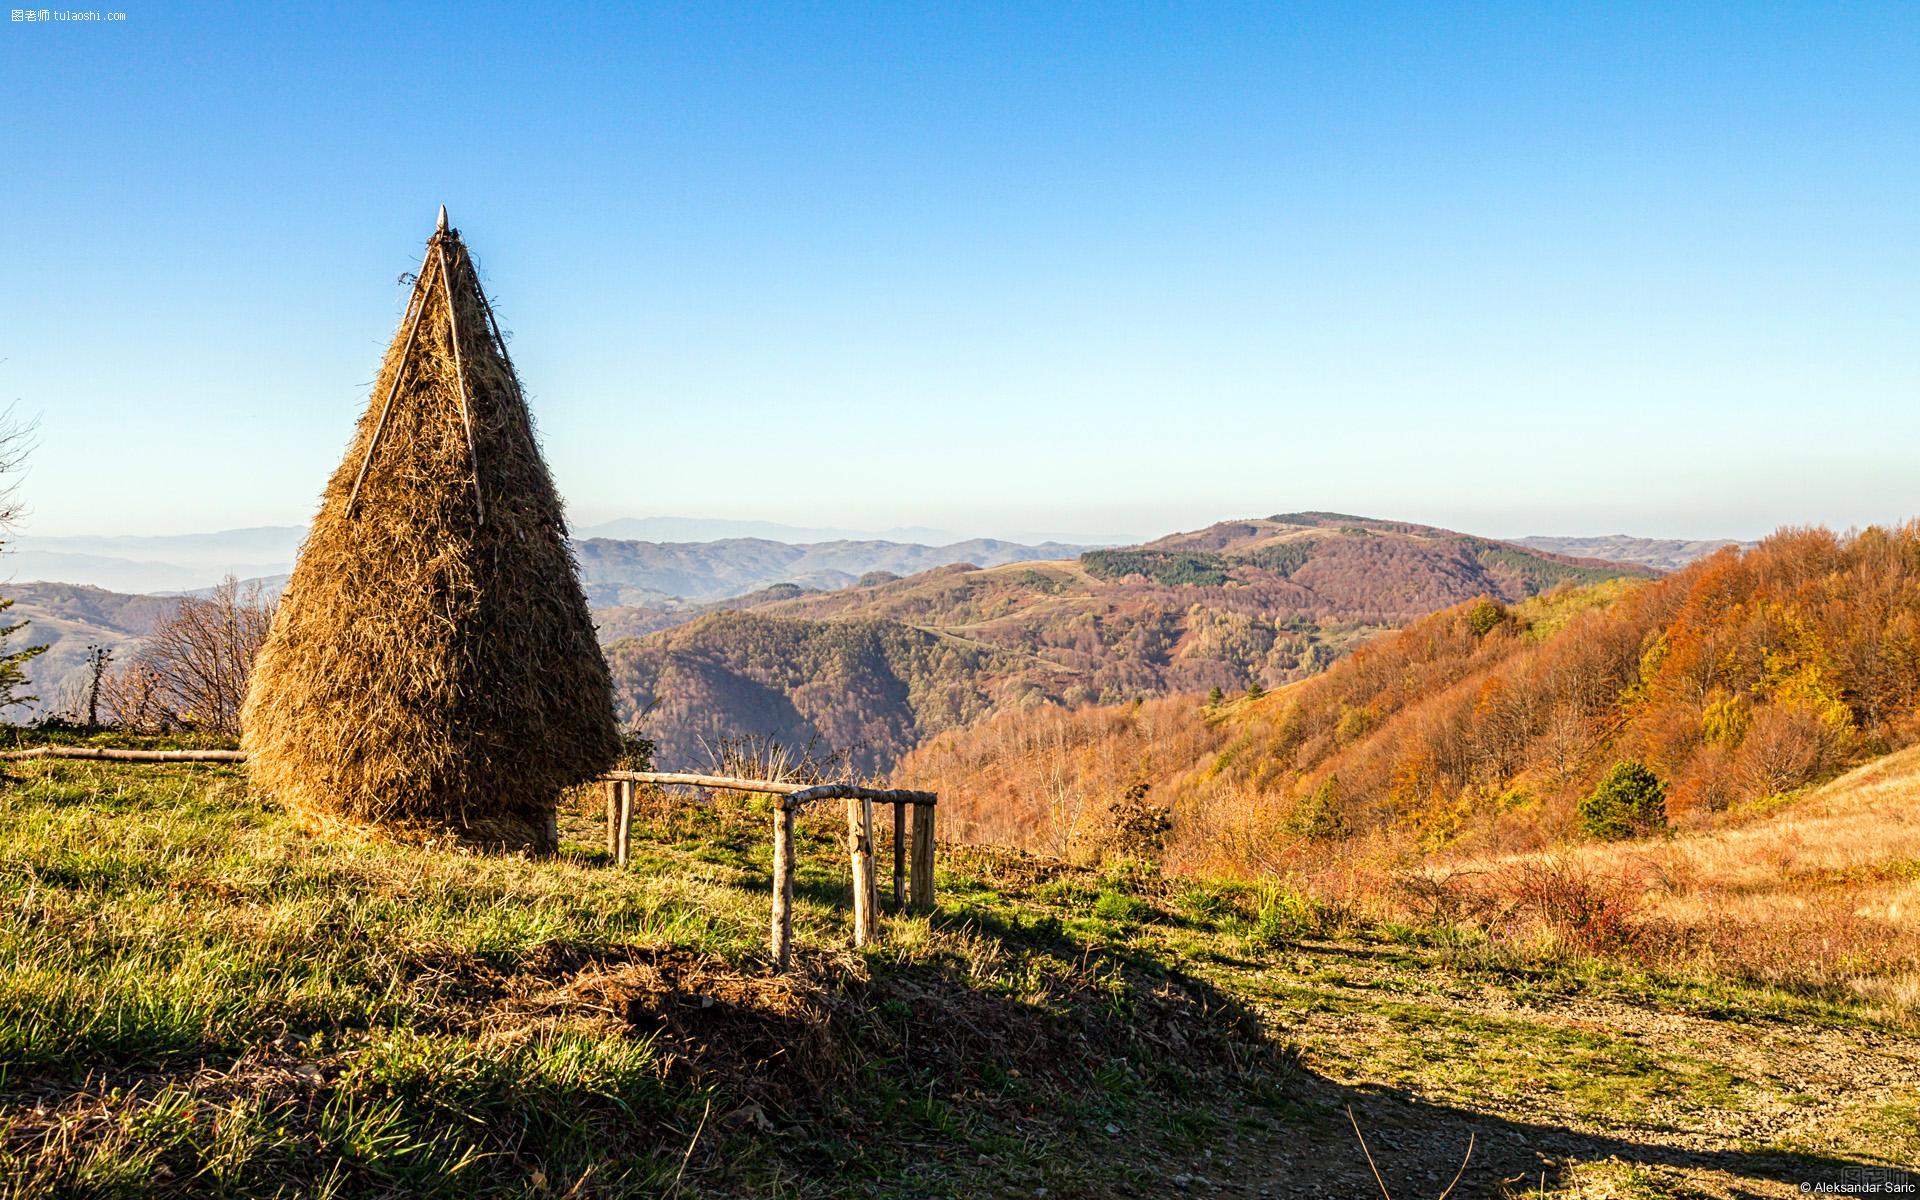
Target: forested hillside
{"points": [[1245, 603], [869, 689], [1734, 682]]}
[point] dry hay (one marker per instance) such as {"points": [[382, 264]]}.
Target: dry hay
{"points": [[432, 667]]}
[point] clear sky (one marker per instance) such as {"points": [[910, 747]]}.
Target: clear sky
{"points": [[1067, 267]]}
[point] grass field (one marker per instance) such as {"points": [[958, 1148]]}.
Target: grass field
{"points": [[198, 998]]}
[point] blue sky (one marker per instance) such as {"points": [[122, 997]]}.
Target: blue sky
{"points": [[1100, 268]]}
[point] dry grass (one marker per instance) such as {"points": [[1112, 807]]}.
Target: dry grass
{"points": [[1820, 893], [432, 664]]}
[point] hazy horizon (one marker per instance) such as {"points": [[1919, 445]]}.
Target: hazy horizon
{"points": [[30, 530]]}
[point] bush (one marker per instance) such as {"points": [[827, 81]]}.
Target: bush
{"points": [[1120, 908], [1287, 915], [1785, 748], [1592, 913], [1630, 801], [1137, 827], [1485, 616], [1317, 816]]}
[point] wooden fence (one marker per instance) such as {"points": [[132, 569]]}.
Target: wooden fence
{"points": [[912, 873]]}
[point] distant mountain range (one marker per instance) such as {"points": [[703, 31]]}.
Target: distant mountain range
{"points": [[710, 529], [630, 573], [637, 586], [745, 556], [172, 563], [1665, 554], [189, 562]]}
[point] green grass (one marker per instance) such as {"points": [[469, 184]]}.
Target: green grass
{"points": [[196, 997]]}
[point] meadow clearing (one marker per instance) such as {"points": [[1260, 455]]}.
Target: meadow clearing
{"points": [[196, 997]]}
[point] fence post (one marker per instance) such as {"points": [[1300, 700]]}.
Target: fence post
{"points": [[613, 818], [860, 842], [899, 855], [782, 884], [626, 825], [923, 858]]}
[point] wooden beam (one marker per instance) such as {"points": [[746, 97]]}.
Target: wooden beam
{"points": [[799, 793], [782, 935], [922, 883], [860, 843], [899, 855], [460, 378], [725, 783], [625, 847], [847, 791], [418, 303]]}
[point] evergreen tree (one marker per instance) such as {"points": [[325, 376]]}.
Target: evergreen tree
{"points": [[1630, 801], [13, 676]]}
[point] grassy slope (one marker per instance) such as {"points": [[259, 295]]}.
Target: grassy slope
{"points": [[196, 997]]}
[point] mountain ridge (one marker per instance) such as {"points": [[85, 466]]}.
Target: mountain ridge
{"points": [[1242, 603]]}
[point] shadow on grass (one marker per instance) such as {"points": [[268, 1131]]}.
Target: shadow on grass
{"points": [[1168, 1024]]}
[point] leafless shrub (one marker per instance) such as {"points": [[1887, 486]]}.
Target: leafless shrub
{"points": [[1785, 748], [754, 756], [192, 672]]}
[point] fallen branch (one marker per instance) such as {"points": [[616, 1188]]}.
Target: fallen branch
{"points": [[105, 754]]}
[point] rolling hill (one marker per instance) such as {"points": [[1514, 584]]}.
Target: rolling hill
{"points": [[68, 619], [1245, 602], [1476, 730]]}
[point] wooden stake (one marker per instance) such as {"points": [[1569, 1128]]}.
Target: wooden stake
{"points": [[860, 840], [625, 848], [418, 303], [922, 883], [899, 856], [460, 377], [782, 936], [613, 817]]}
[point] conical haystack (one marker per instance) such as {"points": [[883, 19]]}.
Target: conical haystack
{"points": [[432, 667]]}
